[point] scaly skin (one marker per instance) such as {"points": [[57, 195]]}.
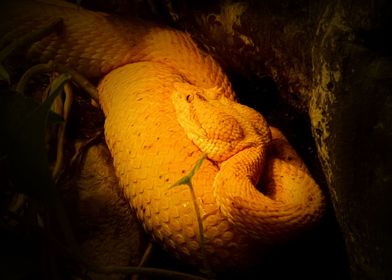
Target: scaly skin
{"points": [[166, 104]]}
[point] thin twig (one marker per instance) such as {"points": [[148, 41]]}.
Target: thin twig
{"points": [[80, 148], [79, 79], [60, 68], [33, 71], [61, 133], [55, 202], [146, 255]]}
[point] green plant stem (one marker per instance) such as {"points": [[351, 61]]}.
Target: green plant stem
{"points": [[79, 79], [61, 133], [55, 202], [32, 71], [201, 232], [60, 68], [187, 180]]}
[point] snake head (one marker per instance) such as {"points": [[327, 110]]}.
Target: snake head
{"points": [[219, 126]]}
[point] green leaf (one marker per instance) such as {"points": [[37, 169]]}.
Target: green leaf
{"points": [[23, 124], [187, 179]]}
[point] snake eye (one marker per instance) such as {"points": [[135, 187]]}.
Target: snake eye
{"points": [[189, 98]]}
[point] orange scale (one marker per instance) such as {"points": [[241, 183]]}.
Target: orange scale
{"points": [[179, 238], [193, 245], [227, 236], [189, 232], [175, 224]]}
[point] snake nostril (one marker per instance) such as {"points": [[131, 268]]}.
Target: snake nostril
{"points": [[189, 98]]}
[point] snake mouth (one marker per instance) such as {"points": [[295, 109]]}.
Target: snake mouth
{"points": [[261, 187], [265, 187]]}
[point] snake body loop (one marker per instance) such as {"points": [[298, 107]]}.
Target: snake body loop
{"points": [[166, 104]]}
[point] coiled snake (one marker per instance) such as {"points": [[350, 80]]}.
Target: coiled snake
{"points": [[166, 105]]}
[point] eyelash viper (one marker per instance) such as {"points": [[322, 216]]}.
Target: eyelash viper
{"points": [[167, 104]]}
